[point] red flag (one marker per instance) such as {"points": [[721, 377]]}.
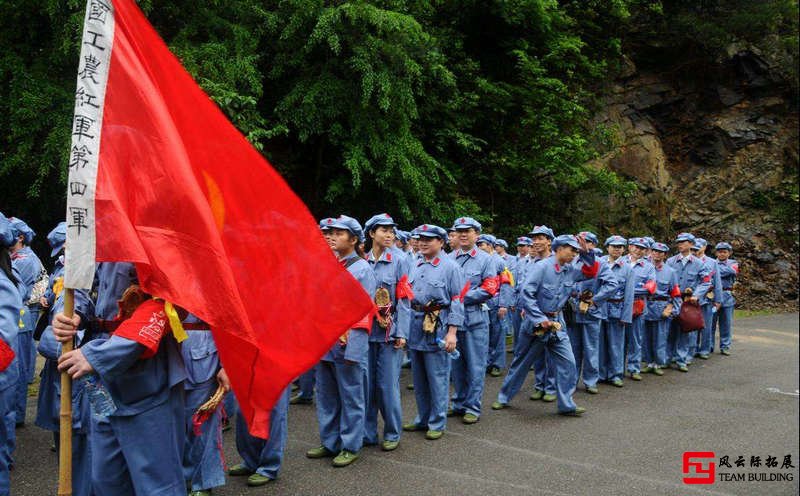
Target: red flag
{"points": [[159, 177]]}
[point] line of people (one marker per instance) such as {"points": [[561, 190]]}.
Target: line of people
{"points": [[570, 311]]}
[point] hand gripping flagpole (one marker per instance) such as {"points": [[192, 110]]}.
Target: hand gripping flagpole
{"points": [[65, 414]]}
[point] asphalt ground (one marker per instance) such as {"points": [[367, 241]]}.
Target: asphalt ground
{"points": [[630, 442]]}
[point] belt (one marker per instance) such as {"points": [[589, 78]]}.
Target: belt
{"points": [[659, 298], [638, 298], [615, 300], [427, 308], [551, 314], [727, 289], [196, 326]]}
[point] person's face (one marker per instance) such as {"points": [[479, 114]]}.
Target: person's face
{"points": [[398, 243], [566, 254], [466, 237], [723, 254], [500, 250], [590, 245], [382, 236], [658, 256], [18, 245], [485, 247], [414, 244], [701, 251], [636, 252], [684, 247], [615, 250], [430, 246], [523, 250], [541, 244], [452, 240], [341, 241]]}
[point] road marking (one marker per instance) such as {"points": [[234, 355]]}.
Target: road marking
{"points": [[586, 465], [782, 333], [776, 390]]}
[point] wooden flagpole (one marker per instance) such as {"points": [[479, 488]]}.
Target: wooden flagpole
{"points": [[65, 415]]}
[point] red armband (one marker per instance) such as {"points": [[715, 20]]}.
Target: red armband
{"points": [[147, 325], [6, 355], [590, 271], [460, 296], [366, 321], [676, 291], [707, 279], [735, 267], [506, 278], [404, 290], [650, 286], [491, 285]]}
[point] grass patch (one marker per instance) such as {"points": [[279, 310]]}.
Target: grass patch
{"points": [[738, 313]]}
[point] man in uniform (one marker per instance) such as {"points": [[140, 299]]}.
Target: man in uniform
{"points": [[499, 305], [709, 302], [662, 306], [728, 271], [619, 309], [545, 381], [644, 285]]}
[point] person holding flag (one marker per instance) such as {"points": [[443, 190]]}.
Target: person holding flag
{"points": [[342, 373]]}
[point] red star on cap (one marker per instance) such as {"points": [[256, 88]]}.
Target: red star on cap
{"points": [[461, 220], [425, 227], [330, 221], [387, 216]]}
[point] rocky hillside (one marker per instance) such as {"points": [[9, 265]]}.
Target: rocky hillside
{"points": [[715, 152]]}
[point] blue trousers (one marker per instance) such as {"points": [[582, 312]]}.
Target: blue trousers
{"points": [[654, 342], [307, 381], [7, 437], [724, 320], [260, 456], [140, 454], [203, 466], [585, 340], [707, 333], [543, 374], [612, 357], [341, 389], [497, 339], [81, 463], [383, 392], [27, 364], [558, 347], [431, 374], [469, 372], [683, 344], [633, 335]]}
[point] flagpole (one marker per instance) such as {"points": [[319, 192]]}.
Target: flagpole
{"points": [[65, 415]]}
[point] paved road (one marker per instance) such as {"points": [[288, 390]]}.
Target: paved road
{"points": [[630, 441]]}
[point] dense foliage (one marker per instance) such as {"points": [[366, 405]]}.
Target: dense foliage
{"points": [[425, 109]]}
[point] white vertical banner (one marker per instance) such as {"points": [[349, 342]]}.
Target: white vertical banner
{"points": [[96, 45]]}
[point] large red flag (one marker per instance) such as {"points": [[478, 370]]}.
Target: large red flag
{"points": [[159, 177]]}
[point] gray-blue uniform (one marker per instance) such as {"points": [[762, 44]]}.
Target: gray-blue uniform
{"points": [[547, 288], [504, 298], [585, 336], [10, 306], [437, 284], [544, 372], [49, 401], [520, 267], [384, 361], [29, 269], [619, 311], [341, 375], [469, 372], [695, 275], [707, 303], [138, 449], [728, 271], [644, 284], [203, 467], [654, 341]]}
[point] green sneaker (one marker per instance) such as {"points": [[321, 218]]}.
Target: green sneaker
{"points": [[617, 383], [256, 480], [683, 368], [498, 406], [202, 492], [469, 418], [494, 372], [725, 352], [295, 387], [636, 376], [647, 369], [390, 445], [344, 458], [320, 452], [537, 395], [299, 399], [413, 427], [238, 470], [549, 398], [577, 412], [592, 390], [703, 356], [410, 387], [658, 371], [433, 435]]}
